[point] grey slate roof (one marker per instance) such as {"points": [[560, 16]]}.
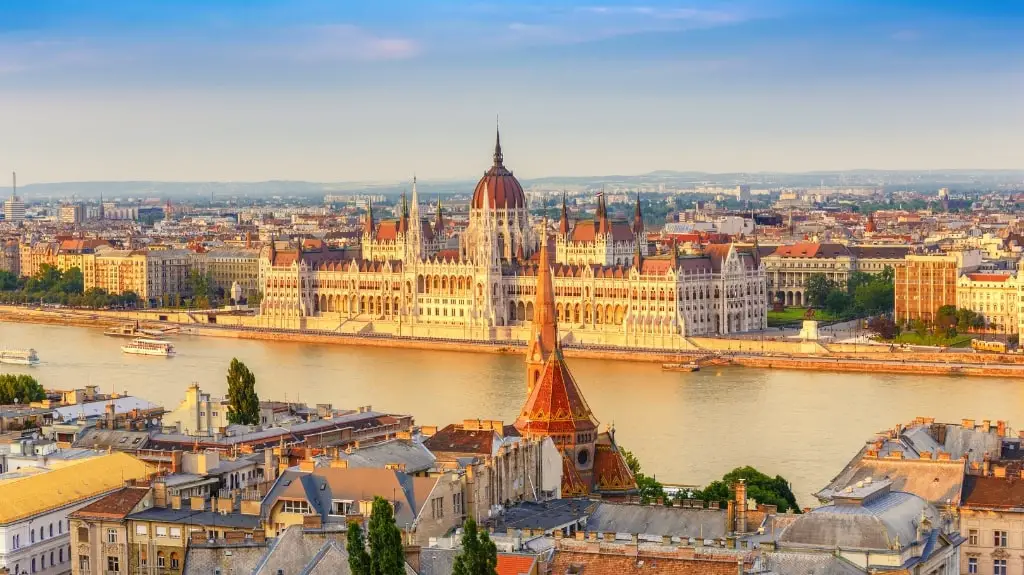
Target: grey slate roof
{"points": [[437, 560], [807, 564], [414, 456], [190, 517], [116, 439], [295, 550], [658, 520], [878, 524], [238, 559], [544, 515]]}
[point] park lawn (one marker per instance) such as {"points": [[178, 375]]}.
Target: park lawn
{"points": [[795, 315], [912, 338]]}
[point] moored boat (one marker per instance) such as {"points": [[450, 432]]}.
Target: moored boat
{"points": [[142, 346], [19, 357], [680, 366], [125, 330]]}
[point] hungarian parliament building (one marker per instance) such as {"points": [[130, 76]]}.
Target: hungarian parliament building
{"points": [[409, 280]]}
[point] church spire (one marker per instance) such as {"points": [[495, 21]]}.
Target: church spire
{"points": [[498, 159], [544, 332], [403, 220], [638, 259]]}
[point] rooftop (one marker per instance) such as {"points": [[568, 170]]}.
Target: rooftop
{"points": [[188, 516], [114, 506]]}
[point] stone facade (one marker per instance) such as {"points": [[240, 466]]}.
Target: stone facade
{"points": [[924, 283], [993, 296]]}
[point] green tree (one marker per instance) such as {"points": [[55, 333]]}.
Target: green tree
{"points": [[837, 302], [648, 487], [387, 556], [21, 387], [479, 555], [358, 558], [817, 288], [243, 403], [72, 281], [760, 487], [875, 297], [8, 281]]}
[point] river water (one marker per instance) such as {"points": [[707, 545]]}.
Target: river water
{"points": [[686, 428]]}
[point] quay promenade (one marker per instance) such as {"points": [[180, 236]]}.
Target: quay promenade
{"points": [[766, 350]]}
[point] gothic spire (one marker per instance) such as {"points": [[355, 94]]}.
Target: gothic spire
{"points": [[438, 220], [563, 221], [544, 333], [403, 220], [638, 219], [498, 158], [638, 259], [368, 223]]}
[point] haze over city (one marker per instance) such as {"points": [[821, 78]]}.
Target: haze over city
{"points": [[327, 91]]}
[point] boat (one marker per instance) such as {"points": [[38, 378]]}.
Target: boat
{"points": [[19, 356], [680, 366], [142, 346], [125, 330]]}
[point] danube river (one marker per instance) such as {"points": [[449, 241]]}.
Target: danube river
{"points": [[686, 427]]}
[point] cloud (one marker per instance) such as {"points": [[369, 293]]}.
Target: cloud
{"points": [[659, 13], [344, 42]]}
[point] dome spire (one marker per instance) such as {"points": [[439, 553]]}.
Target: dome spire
{"points": [[498, 159]]}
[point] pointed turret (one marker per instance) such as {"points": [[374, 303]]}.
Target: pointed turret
{"points": [[403, 220], [544, 332], [604, 225], [563, 221], [638, 259], [498, 158], [368, 222], [638, 219], [675, 254], [439, 220]]}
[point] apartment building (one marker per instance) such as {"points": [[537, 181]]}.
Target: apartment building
{"points": [[924, 283]]}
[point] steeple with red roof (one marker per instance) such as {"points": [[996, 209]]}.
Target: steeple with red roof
{"points": [[638, 219], [563, 221]]}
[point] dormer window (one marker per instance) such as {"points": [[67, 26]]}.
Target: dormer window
{"points": [[341, 507]]}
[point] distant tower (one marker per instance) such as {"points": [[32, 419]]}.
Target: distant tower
{"points": [[14, 208]]}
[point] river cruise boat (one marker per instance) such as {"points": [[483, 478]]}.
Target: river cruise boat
{"points": [[141, 346], [19, 356], [680, 367]]}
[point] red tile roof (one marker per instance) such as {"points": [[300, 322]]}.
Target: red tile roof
{"points": [[515, 564], [556, 405], [114, 506], [455, 439], [626, 561], [989, 277], [993, 492], [611, 474]]}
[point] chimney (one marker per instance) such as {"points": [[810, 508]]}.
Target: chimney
{"points": [[986, 425], [999, 472], [741, 506], [176, 502], [944, 456], [339, 464], [986, 464], [967, 424], [926, 455], [1001, 428]]}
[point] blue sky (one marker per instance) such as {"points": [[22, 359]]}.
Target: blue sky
{"points": [[346, 90]]}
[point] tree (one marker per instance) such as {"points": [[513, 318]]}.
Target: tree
{"points": [[883, 326], [358, 558], [648, 487], [21, 387], [837, 302], [8, 281], [479, 555], [243, 403], [387, 556], [760, 487], [72, 281], [817, 289]]}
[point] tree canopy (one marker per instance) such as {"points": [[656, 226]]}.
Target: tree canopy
{"points": [[760, 487], [243, 403], [387, 557], [479, 555], [358, 558], [20, 387]]}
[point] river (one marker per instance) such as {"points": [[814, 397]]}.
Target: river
{"points": [[686, 428]]}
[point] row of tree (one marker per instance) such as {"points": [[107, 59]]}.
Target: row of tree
{"points": [[51, 285], [763, 488], [380, 550], [20, 388], [950, 321], [863, 294]]}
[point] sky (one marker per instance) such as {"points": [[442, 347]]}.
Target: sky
{"points": [[357, 90]]}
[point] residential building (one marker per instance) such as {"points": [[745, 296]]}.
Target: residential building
{"points": [[789, 266], [198, 413], [99, 532], [71, 214], [872, 528], [230, 266], [159, 536], [10, 257], [994, 297], [35, 510], [991, 520], [424, 506], [924, 283], [153, 275]]}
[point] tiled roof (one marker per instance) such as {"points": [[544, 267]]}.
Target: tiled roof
{"points": [[611, 474], [1000, 278], [515, 563], [114, 506], [623, 562], [993, 492], [455, 439], [812, 250], [28, 496], [556, 404]]}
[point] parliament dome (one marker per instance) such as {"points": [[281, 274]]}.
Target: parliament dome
{"points": [[503, 189]]}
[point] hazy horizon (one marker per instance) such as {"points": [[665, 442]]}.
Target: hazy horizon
{"points": [[317, 91]]}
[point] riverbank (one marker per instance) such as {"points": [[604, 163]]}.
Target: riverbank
{"points": [[710, 351]]}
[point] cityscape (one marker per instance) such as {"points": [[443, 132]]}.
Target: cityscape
{"points": [[280, 294]]}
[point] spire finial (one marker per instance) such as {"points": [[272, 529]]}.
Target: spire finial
{"points": [[498, 159]]}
